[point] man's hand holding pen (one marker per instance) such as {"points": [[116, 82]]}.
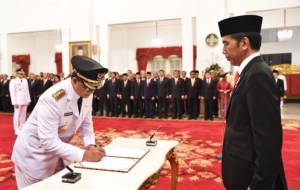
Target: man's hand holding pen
{"points": [[93, 153]]}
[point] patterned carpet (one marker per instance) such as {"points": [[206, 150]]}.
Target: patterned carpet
{"points": [[200, 142]]}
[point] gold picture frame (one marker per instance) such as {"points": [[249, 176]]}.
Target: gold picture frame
{"points": [[80, 48]]}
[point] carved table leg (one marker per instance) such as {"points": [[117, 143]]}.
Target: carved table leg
{"points": [[171, 157]]}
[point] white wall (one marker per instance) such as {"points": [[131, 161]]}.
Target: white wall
{"points": [[40, 46], [234, 6], [79, 18], [120, 11], [275, 18], [125, 39]]}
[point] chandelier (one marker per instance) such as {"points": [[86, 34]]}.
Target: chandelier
{"points": [[156, 42], [285, 33]]}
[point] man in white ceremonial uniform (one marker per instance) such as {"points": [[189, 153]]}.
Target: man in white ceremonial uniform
{"points": [[43, 145], [20, 99]]}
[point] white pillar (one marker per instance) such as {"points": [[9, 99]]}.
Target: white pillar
{"points": [[6, 66], [187, 43], [65, 33], [104, 36]]}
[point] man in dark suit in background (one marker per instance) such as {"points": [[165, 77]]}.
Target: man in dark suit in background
{"points": [[5, 96], [253, 137], [193, 91], [177, 94], [184, 101], [280, 84], [112, 92], [163, 92], [200, 91], [99, 100], [126, 96], [45, 83], [137, 101], [148, 93], [209, 94], [33, 85]]}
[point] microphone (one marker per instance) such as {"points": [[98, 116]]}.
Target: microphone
{"points": [[150, 141], [71, 177], [153, 134], [69, 169]]}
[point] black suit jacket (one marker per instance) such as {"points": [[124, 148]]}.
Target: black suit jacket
{"points": [[253, 136], [163, 87], [177, 90], [280, 87], [5, 89], [209, 90], [137, 88], [34, 88], [148, 91], [126, 91], [195, 90], [45, 86], [113, 89]]}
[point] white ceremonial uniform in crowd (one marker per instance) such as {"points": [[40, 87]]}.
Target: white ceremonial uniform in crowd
{"points": [[20, 99], [43, 142], [282, 77]]}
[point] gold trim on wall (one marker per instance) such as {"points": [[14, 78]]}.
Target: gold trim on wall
{"points": [[287, 69]]}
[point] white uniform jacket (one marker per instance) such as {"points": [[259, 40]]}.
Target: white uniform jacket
{"points": [[19, 91], [44, 139]]}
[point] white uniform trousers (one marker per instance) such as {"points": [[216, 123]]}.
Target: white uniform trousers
{"points": [[24, 180], [19, 117]]}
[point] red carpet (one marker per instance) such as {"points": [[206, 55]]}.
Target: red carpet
{"points": [[200, 142]]}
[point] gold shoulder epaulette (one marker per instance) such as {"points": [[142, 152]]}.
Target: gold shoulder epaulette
{"points": [[59, 94]]}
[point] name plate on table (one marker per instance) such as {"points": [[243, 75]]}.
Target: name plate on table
{"points": [[116, 160]]}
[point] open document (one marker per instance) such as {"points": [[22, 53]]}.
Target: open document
{"points": [[116, 159]]}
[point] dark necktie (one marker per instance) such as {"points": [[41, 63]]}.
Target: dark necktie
{"points": [[79, 103]]}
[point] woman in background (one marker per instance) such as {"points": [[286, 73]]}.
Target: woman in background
{"points": [[224, 88]]}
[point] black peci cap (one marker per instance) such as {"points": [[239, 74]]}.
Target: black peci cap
{"points": [[239, 24], [20, 71], [87, 70]]}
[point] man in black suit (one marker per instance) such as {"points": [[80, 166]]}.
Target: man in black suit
{"points": [[99, 99], [209, 94], [148, 92], [200, 91], [96, 99], [5, 95], [280, 84], [193, 89], [184, 101], [33, 85], [163, 94], [253, 137], [126, 96], [177, 94], [137, 101], [112, 93], [45, 83]]}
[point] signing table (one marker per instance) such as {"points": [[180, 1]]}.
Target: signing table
{"points": [[144, 174]]}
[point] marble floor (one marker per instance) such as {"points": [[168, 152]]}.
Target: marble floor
{"points": [[291, 111]]}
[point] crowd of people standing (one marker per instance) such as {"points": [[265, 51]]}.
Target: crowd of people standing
{"points": [[141, 94]]}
